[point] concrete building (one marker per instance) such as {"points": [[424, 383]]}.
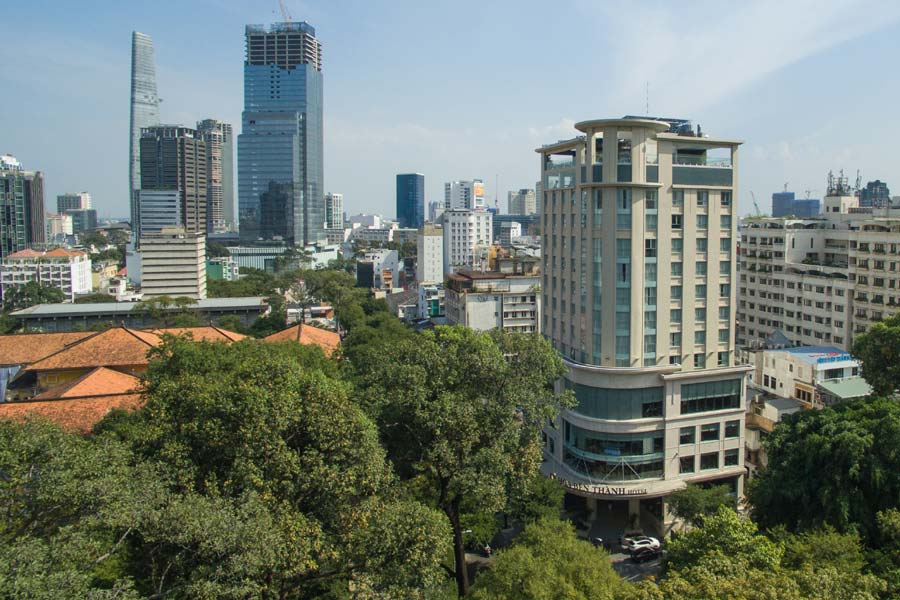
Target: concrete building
{"points": [[784, 204], [83, 220], [59, 228], [21, 195], [467, 236], [158, 209], [144, 109], [821, 281], [435, 211], [366, 221], [797, 372], [494, 300], [411, 200], [334, 211], [875, 194], [468, 195], [174, 158], [280, 148], [509, 231], [72, 201], [222, 268], [522, 202], [173, 263], [68, 271], [430, 255], [638, 296], [431, 300], [219, 140], [378, 269], [266, 257]]}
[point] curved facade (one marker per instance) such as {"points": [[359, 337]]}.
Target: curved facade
{"points": [[639, 251]]}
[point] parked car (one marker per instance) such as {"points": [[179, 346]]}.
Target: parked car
{"points": [[645, 554], [631, 544], [597, 541]]}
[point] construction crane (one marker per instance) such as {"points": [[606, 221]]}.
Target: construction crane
{"points": [[755, 205], [284, 11]]}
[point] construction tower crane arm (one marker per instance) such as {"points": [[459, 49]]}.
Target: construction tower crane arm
{"points": [[284, 11], [755, 205]]}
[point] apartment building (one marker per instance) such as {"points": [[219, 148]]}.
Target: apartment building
{"points": [[521, 202], [68, 271], [464, 195], [173, 263], [820, 281], [494, 300], [467, 235], [430, 255], [638, 296]]}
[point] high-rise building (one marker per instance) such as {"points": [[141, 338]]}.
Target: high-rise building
{"points": [[876, 193], [467, 236], [430, 255], [411, 199], [144, 109], [639, 286], [21, 206], [334, 211], [84, 219], [784, 204], [522, 202], [72, 201], [219, 174], [467, 195], [435, 210], [59, 226], [173, 263], [509, 231], [173, 158], [280, 145]]}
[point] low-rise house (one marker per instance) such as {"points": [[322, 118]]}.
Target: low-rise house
{"points": [[67, 270], [796, 372]]}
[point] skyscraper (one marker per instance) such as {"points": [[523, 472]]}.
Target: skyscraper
{"points": [[464, 194], [144, 109], [876, 193], [173, 158], [72, 201], [522, 202], [15, 224], [280, 145], [219, 174], [411, 199], [334, 211]]}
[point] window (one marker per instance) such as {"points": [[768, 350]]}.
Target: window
{"points": [[724, 290], [700, 336], [709, 432], [702, 197], [650, 319], [701, 244], [687, 464], [650, 271], [623, 248], [709, 460], [700, 291], [732, 429], [709, 396], [687, 435], [650, 296], [650, 221], [650, 248], [650, 343], [725, 198], [676, 292], [723, 359], [700, 314], [676, 269], [725, 222], [675, 315], [678, 197], [723, 336], [725, 267], [701, 267], [677, 244], [675, 339], [650, 200], [702, 221], [725, 244], [676, 222], [731, 457], [699, 361]]}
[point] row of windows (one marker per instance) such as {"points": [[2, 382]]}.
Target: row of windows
{"points": [[708, 461], [708, 432], [710, 396]]}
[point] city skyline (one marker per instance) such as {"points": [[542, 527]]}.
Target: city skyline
{"points": [[414, 119]]}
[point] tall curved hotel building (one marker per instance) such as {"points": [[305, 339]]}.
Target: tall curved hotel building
{"points": [[639, 250], [144, 109]]}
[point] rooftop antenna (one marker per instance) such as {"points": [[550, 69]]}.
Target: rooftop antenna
{"points": [[785, 186]]}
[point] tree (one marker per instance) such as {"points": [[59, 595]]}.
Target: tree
{"points": [[216, 249], [167, 311], [836, 466], [31, 294], [94, 238], [549, 561], [695, 502], [879, 351], [539, 498], [93, 298], [464, 411]]}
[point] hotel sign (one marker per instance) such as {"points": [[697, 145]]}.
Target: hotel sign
{"points": [[604, 490]]}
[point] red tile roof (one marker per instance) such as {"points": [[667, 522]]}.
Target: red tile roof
{"points": [[98, 382], [26, 253], [76, 415], [329, 341], [62, 252], [24, 349], [208, 333], [116, 347]]}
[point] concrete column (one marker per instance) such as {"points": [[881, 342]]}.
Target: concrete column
{"points": [[634, 508], [592, 508]]}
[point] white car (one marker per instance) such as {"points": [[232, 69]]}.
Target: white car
{"points": [[632, 544]]}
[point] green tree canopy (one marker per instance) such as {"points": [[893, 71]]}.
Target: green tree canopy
{"points": [[879, 351], [695, 501], [31, 294]]}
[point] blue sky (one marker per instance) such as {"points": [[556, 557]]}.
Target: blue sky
{"points": [[467, 89]]}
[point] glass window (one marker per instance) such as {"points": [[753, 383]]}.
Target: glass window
{"points": [[725, 198], [709, 461], [725, 221], [723, 359], [650, 319], [623, 248], [723, 336], [617, 404], [700, 314], [677, 222], [724, 290], [675, 339], [699, 361], [709, 432], [675, 315], [650, 200], [676, 292], [731, 457], [687, 435], [650, 271], [732, 429], [700, 291], [687, 464], [725, 267], [700, 336], [650, 221], [678, 197], [650, 248], [677, 244], [725, 244], [650, 296], [623, 296], [623, 320], [676, 269], [650, 343], [701, 268], [712, 395], [702, 197], [701, 244], [724, 313], [702, 221]]}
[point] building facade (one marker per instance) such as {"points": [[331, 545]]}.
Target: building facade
{"points": [[509, 231], [435, 210], [411, 200], [158, 209], [875, 194], [219, 140], [522, 202], [173, 263], [430, 255], [68, 271], [72, 201], [638, 295], [144, 108], [468, 195], [83, 220], [494, 300], [280, 148], [784, 204], [334, 211], [59, 227], [467, 236], [16, 201]]}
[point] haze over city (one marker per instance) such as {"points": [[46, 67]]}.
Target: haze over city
{"points": [[468, 89]]}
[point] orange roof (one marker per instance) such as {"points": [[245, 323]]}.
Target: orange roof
{"points": [[99, 382], [207, 334], [76, 415], [26, 253], [27, 348], [62, 252], [329, 341], [116, 347]]}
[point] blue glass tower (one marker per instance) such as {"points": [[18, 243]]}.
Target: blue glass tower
{"points": [[411, 199], [280, 163]]}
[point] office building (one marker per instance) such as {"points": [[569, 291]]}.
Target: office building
{"points": [[639, 278], [68, 271], [509, 231], [494, 300], [219, 141], [529, 224], [467, 236], [83, 220], [144, 109], [875, 194], [435, 210], [819, 281], [173, 158], [467, 195], [59, 227], [430, 255], [18, 201], [784, 204], [522, 202], [173, 263], [72, 201], [334, 211], [158, 209], [280, 146], [411, 200]]}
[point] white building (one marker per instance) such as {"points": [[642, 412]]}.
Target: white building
{"points": [[435, 210], [639, 298], [73, 201], [378, 269], [797, 372], [334, 211], [366, 221], [493, 300], [67, 270], [431, 300], [173, 263], [158, 209], [464, 195], [522, 202], [509, 230], [430, 255], [467, 236], [823, 280], [59, 226]]}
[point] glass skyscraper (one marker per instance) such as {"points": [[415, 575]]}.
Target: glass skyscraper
{"points": [[280, 163], [411, 199], [144, 108]]}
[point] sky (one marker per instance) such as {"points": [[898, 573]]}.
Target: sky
{"points": [[468, 89]]}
